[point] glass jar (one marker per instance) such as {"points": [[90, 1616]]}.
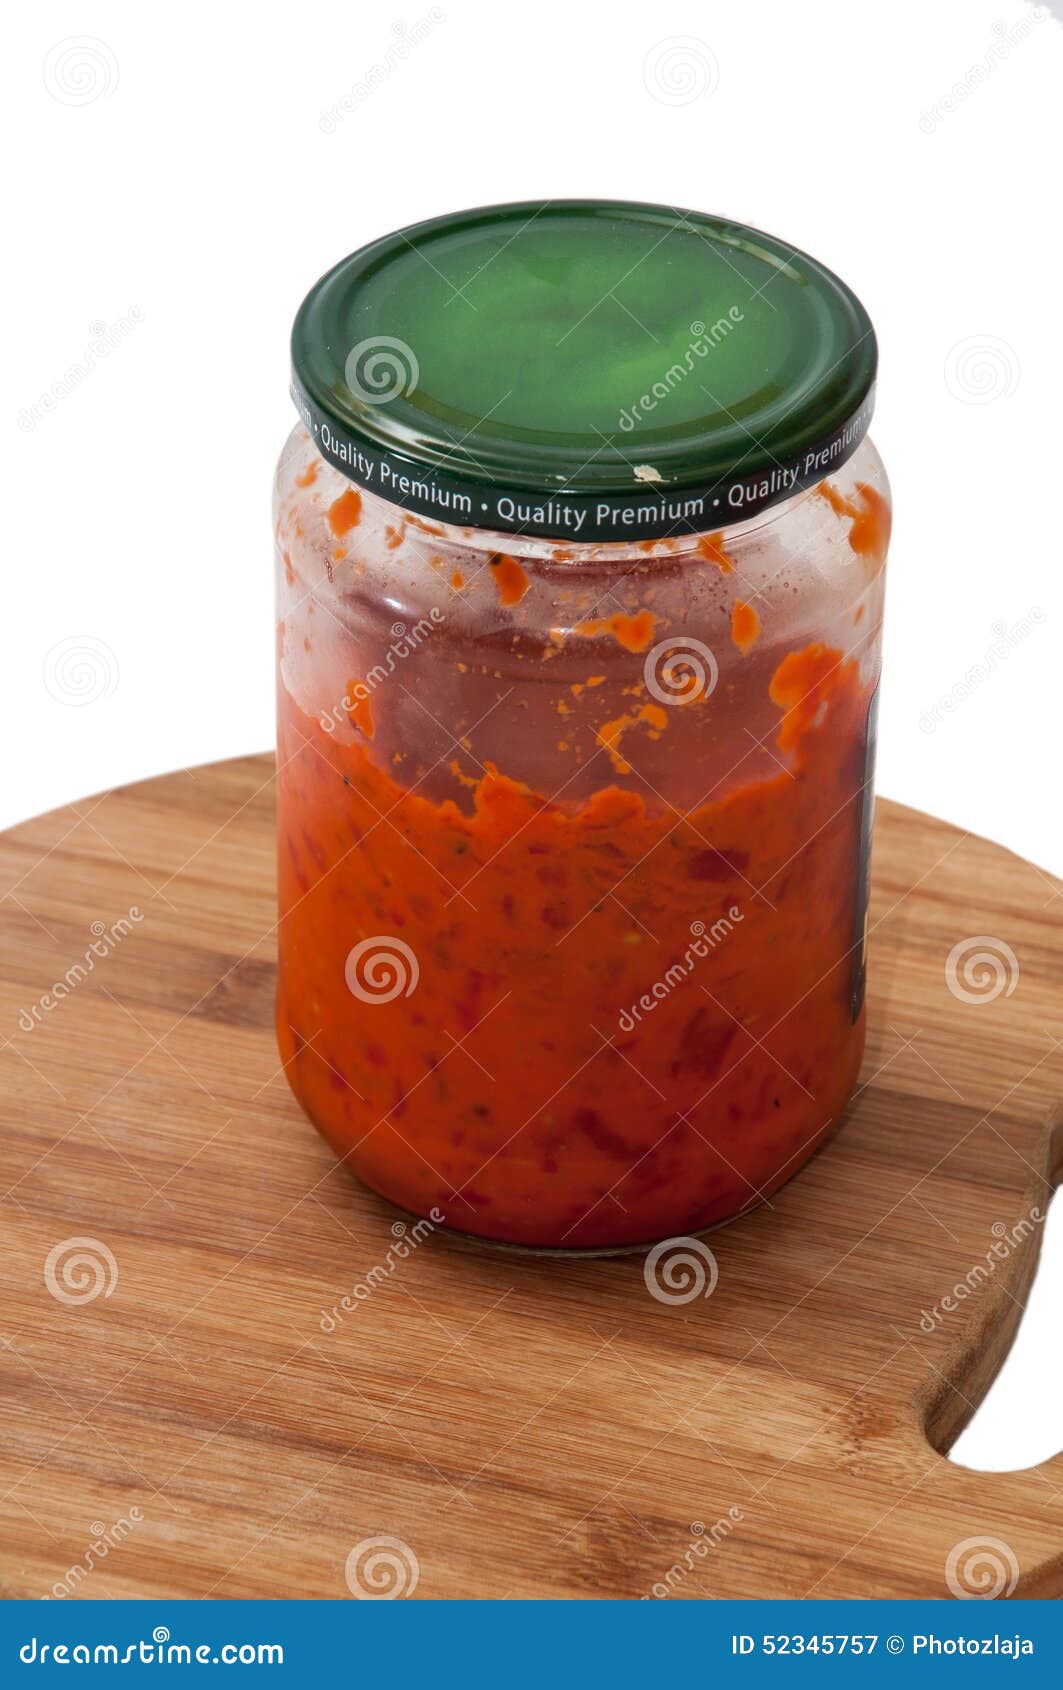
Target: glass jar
{"points": [[574, 814]]}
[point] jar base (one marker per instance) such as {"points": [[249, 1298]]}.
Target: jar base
{"points": [[598, 1252], [552, 1252]]}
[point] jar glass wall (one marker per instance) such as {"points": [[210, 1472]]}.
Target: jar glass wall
{"points": [[573, 852]]}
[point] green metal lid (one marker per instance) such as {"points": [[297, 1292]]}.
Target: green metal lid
{"points": [[583, 369]]}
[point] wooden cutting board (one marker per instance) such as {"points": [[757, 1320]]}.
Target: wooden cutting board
{"points": [[178, 1417]]}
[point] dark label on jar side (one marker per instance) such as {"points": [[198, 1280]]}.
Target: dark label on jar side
{"points": [[653, 510], [863, 866]]}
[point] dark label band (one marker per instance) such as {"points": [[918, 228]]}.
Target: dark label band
{"points": [[651, 512], [863, 867]]}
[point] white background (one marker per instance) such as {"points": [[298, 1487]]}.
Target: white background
{"points": [[177, 195]]}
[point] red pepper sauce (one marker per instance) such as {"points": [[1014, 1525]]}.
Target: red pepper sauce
{"points": [[634, 633], [869, 514], [510, 579], [711, 548], [556, 1077], [745, 626], [345, 512]]}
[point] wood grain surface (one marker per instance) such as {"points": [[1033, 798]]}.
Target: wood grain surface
{"points": [[181, 1417]]}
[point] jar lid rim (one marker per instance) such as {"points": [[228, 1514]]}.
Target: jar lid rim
{"points": [[583, 369]]}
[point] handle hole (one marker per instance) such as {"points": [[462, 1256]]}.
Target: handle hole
{"points": [[1019, 1422]]}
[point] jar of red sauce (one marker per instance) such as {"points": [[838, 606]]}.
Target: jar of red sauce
{"points": [[580, 547]]}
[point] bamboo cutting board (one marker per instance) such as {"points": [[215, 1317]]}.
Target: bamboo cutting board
{"points": [[182, 1416]]}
